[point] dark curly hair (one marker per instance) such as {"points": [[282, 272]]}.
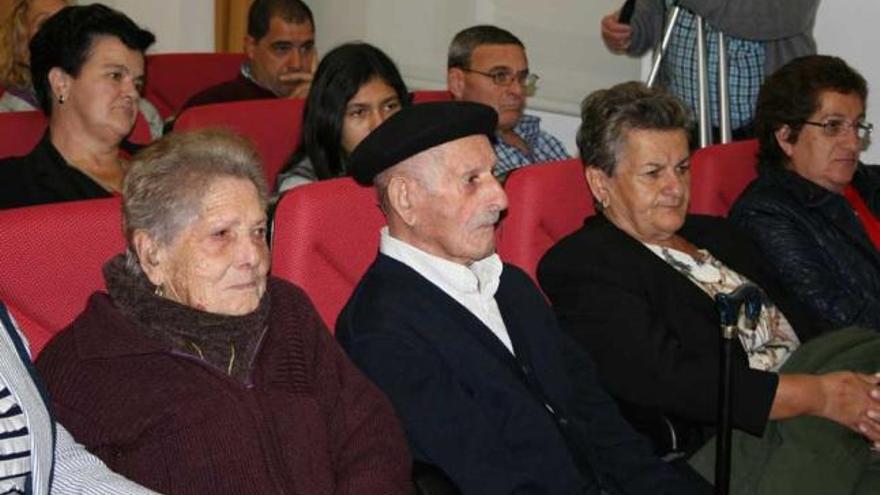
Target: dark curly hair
{"points": [[791, 94]]}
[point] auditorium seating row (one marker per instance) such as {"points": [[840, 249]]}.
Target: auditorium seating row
{"points": [[324, 235], [272, 125]]}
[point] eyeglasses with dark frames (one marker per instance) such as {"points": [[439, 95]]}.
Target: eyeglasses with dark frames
{"points": [[506, 77], [835, 127]]}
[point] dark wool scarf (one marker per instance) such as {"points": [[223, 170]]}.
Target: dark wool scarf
{"points": [[228, 343]]}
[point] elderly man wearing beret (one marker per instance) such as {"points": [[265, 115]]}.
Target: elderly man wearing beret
{"points": [[465, 346]]}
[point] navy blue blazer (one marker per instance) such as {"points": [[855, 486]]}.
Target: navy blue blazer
{"points": [[536, 423]]}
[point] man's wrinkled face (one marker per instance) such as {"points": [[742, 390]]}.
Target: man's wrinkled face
{"points": [[457, 214]]}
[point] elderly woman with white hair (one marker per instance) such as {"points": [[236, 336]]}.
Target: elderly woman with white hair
{"points": [[197, 373]]}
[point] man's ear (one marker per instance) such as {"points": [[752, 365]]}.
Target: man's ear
{"points": [[402, 198], [783, 137], [250, 46], [455, 82], [598, 182], [151, 256]]}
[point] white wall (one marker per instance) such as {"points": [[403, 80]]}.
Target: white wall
{"points": [[179, 25], [562, 39], [849, 29]]}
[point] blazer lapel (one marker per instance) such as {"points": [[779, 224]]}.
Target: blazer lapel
{"points": [[462, 319]]}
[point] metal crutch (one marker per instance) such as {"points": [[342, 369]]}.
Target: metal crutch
{"points": [[729, 306], [704, 120]]}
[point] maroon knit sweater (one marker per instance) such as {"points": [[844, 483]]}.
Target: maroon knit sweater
{"points": [[309, 423]]}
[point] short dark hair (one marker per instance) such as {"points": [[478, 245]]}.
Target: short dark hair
{"points": [[608, 115], [65, 41], [465, 42], [792, 93], [339, 76], [262, 12]]}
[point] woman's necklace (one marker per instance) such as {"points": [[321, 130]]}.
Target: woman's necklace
{"points": [[231, 355]]}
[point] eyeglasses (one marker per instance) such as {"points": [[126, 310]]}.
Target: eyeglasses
{"points": [[506, 77], [834, 127]]}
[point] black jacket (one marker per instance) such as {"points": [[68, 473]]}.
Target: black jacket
{"points": [[815, 243], [43, 176], [483, 416], [654, 334]]}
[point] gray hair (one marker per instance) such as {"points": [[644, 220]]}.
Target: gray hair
{"points": [[465, 42], [164, 185], [608, 115]]}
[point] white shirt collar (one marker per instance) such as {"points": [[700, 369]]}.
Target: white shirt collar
{"points": [[480, 277], [473, 286]]}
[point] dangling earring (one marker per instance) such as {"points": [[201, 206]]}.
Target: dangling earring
{"points": [[61, 99], [159, 291], [605, 203]]}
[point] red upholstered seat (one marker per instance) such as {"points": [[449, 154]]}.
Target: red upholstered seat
{"points": [[325, 236], [274, 126], [546, 203], [21, 131], [172, 78], [52, 259], [719, 174], [424, 96]]}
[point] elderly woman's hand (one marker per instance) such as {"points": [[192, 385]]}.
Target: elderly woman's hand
{"points": [[853, 400]]}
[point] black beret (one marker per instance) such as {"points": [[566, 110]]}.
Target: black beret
{"points": [[415, 129]]}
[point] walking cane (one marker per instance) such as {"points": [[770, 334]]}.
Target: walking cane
{"points": [[729, 306], [705, 124]]}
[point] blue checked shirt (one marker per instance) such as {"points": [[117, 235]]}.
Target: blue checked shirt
{"points": [[543, 146], [745, 70]]}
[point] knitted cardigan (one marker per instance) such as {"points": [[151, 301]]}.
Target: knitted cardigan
{"points": [[307, 421]]}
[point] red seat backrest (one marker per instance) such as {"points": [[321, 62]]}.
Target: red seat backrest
{"points": [[274, 126], [172, 78], [21, 131], [325, 236], [52, 259], [546, 202], [719, 174], [424, 96]]}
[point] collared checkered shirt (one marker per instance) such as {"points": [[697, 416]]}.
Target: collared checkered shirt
{"points": [[745, 60], [543, 146]]}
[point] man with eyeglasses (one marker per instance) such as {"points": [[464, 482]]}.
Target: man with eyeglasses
{"points": [[281, 56], [814, 209], [488, 65]]}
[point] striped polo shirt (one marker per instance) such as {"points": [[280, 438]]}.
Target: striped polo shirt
{"points": [[15, 454]]}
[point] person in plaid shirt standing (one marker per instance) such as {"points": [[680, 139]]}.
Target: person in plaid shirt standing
{"points": [[761, 36]]}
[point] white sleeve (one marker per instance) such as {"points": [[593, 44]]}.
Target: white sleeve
{"points": [[77, 471]]}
